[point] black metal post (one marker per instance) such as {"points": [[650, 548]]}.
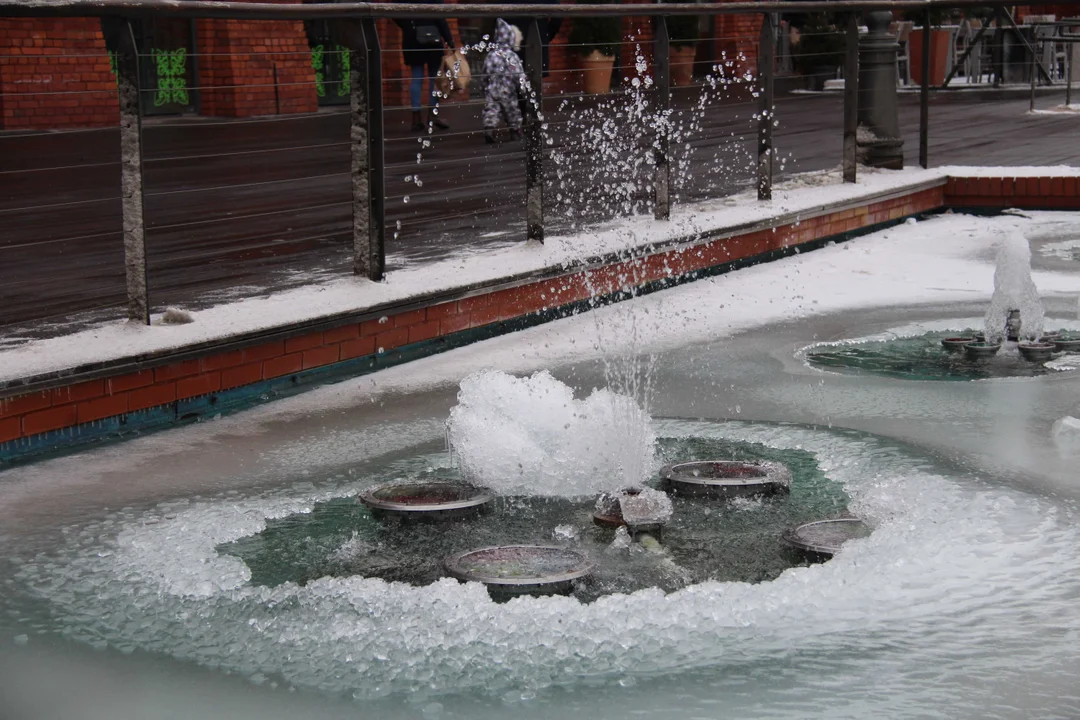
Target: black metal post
{"points": [[1034, 76], [766, 50], [376, 148], [1068, 74], [534, 137], [924, 95], [366, 143], [662, 63], [120, 39], [998, 52], [879, 143], [851, 100]]}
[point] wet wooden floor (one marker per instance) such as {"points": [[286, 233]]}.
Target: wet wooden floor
{"points": [[241, 206]]}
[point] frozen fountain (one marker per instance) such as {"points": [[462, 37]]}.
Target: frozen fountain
{"points": [[1010, 340]]}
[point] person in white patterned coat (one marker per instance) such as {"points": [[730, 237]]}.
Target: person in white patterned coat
{"points": [[503, 78]]}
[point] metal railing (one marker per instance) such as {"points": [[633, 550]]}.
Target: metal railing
{"points": [[354, 30]]}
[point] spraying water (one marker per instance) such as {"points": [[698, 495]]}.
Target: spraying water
{"points": [[1014, 290], [530, 436]]}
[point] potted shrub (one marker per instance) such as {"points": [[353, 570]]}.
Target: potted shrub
{"points": [[596, 40], [939, 46], [820, 51], [683, 30]]}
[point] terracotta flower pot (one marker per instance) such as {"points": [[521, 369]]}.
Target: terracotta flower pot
{"points": [[939, 55], [596, 72], [682, 65]]}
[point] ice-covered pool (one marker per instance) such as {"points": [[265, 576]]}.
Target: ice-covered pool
{"points": [[120, 596]]}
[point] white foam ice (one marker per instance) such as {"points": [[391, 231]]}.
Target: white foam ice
{"points": [[645, 507], [1014, 290], [1066, 434], [532, 436], [956, 576]]}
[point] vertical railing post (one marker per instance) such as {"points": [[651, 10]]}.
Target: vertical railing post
{"points": [[534, 137], [662, 64], [766, 50], [376, 151], [924, 96], [120, 39], [1034, 72], [366, 145], [851, 100], [997, 55], [1068, 73]]}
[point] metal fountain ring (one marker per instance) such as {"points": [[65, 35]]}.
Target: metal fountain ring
{"points": [[726, 478], [821, 540], [519, 569], [426, 499]]}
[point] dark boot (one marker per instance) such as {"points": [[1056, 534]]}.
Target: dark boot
{"points": [[489, 137], [417, 123], [437, 121]]}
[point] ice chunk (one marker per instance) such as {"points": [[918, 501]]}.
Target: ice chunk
{"points": [[176, 316], [1066, 435], [645, 506]]}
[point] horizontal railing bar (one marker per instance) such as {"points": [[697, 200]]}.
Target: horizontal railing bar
{"points": [[316, 11]]}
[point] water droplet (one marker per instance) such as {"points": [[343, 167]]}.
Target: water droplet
{"points": [[405, 199]]}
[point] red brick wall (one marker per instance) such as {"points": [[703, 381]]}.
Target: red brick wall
{"points": [[738, 36], [254, 67], [1029, 193], [54, 73]]}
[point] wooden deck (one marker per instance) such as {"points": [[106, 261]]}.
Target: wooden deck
{"points": [[243, 206]]}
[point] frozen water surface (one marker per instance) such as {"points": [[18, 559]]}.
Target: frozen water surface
{"points": [[116, 600]]}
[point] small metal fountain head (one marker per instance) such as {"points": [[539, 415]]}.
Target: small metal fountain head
{"points": [[1064, 343], [819, 541], [956, 344], [726, 478], [1036, 351], [426, 500], [981, 350], [521, 569], [1012, 326]]}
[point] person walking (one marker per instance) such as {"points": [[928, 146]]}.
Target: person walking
{"points": [[548, 26], [503, 77], [423, 44]]}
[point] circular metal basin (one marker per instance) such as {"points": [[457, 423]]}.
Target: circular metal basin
{"points": [[519, 569], [821, 540], [1036, 352], [1067, 344], [956, 344], [726, 478], [1050, 336], [426, 499], [981, 349]]}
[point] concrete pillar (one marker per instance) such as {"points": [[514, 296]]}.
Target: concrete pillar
{"points": [[879, 141]]}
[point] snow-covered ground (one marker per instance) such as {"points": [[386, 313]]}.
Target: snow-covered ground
{"points": [[803, 194]]}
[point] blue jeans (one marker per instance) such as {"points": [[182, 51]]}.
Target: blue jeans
{"points": [[416, 87]]}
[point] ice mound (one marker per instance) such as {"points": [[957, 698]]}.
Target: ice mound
{"points": [[1014, 290], [954, 572], [1066, 435], [531, 436]]}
